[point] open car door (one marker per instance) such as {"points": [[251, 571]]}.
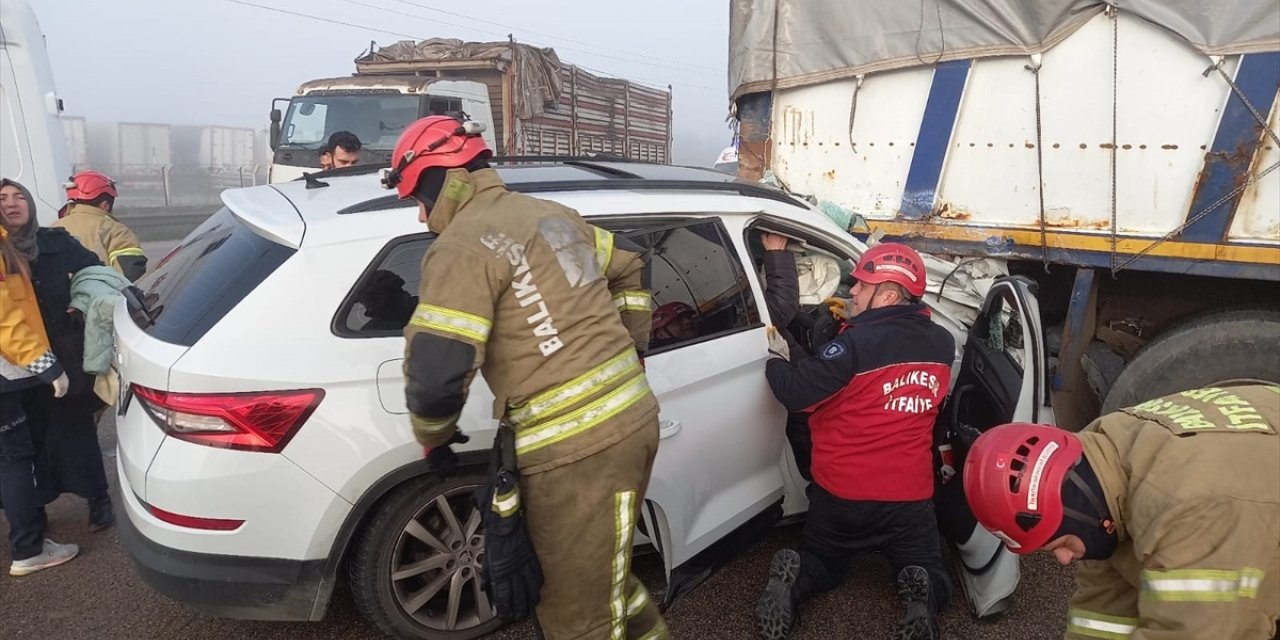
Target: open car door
{"points": [[1002, 379]]}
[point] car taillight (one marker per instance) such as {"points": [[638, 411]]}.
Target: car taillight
{"points": [[257, 421]]}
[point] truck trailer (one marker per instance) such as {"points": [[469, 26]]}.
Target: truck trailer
{"points": [[1122, 154]]}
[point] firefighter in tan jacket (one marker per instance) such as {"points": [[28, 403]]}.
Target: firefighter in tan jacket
{"points": [[87, 217], [555, 313], [1173, 506]]}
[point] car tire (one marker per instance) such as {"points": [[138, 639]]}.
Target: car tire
{"points": [[1230, 346], [415, 569]]}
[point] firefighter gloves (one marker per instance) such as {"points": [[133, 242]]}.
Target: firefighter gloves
{"points": [[777, 345], [841, 308], [512, 573], [443, 461]]}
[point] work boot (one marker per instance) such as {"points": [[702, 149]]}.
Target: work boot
{"points": [[101, 514], [52, 555], [776, 610], [913, 589]]}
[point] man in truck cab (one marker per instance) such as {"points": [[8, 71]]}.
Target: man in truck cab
{"points": [[1172, 506], [342, 150], [91, 197], [556, 313], [873, 394]]}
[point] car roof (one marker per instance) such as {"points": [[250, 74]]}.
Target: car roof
{"points": [[350, 203]]}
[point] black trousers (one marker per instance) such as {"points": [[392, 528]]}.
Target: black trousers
{"points": [[68, 455], [801, 443], [836, 530], [23, 507]]}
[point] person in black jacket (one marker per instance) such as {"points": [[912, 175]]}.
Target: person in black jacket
{"points": [[68, 456], [74, 457], [782, 297], [874, 393], [26, 361]]}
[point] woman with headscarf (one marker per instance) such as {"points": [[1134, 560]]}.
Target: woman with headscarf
{"points": [[69, 456], [27, 362]]}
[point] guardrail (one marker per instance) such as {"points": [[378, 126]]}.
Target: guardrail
{"points": [[178, 185]]}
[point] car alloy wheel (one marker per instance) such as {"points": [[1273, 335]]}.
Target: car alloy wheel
{"points": [[436, 564]]}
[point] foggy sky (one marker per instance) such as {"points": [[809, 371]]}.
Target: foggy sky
{"points": [[217, 62]]}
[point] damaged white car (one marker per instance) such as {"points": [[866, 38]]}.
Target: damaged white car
{"points": [[264, 445]]}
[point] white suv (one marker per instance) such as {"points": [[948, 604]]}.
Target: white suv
{"points": [[264, 446]]}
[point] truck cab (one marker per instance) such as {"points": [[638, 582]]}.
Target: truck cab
{"points": [[33, 147], [374, 108]]}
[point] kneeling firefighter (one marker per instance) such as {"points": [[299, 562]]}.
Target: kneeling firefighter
{"points": [[556, 313], [1171, 507]]}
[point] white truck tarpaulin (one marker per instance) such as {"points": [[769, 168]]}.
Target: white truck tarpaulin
{"points": [[805, 42]]}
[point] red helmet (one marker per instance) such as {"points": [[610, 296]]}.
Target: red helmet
{"points": [[667, 313], [892, 262], [434, 141], [1013, 480], [87, 186]]}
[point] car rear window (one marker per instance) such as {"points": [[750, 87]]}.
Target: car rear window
{"points": [[206, 276]]}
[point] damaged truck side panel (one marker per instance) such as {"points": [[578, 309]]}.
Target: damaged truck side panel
{"points": [[1135, 177]]}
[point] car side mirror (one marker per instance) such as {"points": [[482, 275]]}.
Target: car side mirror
{"points": [[276, 116]]}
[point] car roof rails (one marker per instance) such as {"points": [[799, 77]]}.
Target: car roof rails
{"points": [[749, 189], [601, 157]]}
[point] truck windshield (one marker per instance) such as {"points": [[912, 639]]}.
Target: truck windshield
{"points": [[376, 120]]}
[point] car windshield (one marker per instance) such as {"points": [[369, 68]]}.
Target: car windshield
{"points": [[376, 119]]}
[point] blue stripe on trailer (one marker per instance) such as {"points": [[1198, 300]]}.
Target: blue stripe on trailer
{"points": [[934, 138], [1074, 339], [1227, 164]]}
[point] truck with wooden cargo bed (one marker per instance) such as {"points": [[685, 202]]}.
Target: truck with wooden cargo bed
{"points": [[531, 103]]}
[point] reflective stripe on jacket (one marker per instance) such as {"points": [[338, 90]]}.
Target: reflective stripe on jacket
{"points": [[116, 245], [549, 308], [1193, 483], [27, 359]]}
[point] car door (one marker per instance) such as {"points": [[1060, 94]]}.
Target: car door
{"points": [[1002, 373], [1002, 378], [717, 471], [377, 310], [717, 477]]}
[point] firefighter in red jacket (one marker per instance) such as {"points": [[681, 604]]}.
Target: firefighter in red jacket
{"points": [[874, 393]]}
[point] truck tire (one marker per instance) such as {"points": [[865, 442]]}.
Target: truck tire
{"points": [[414, 570], [1219, 348]]}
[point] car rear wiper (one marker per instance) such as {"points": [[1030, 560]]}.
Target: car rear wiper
{"points": [[137, 305]]}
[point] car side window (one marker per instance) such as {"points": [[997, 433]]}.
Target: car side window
{"points": [[1004, 332], [700, 289], [383, 300]]}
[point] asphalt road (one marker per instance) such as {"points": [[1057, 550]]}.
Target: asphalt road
{"points": [[98, 596]]}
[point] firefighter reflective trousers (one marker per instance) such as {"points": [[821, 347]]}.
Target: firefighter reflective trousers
{"points": [[582, 518]]}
